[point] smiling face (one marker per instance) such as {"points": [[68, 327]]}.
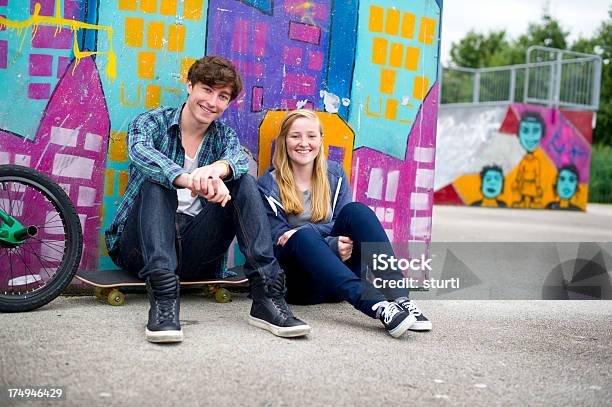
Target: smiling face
{"points": [[567, 183], [304, 141], [492, 184], [530, 133], [206, 103]]}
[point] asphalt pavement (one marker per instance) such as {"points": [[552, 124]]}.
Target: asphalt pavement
{"points": [[480, 352]]}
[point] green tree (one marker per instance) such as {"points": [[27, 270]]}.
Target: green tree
{"points": [[478, 50], [601, 44]]}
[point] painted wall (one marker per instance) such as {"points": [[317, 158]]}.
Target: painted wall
{"points": [[521, 156], [75, 72]]}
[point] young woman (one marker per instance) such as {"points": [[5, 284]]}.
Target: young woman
{"points": [[319, 234]]}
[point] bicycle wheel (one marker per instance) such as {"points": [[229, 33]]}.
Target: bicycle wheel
{"points": [[36, 270]]}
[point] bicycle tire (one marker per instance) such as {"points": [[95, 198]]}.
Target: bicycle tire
{"points": [[72, 232]]}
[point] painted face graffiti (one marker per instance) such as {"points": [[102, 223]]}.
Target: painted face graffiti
{"points": [[567, 184], [492, 184], [530, 133]]}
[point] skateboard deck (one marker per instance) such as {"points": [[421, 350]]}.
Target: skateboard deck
{"points": [[108, 284]]}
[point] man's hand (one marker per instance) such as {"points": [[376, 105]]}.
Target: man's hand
{"points": [[216, 192], [206, 181], [201, 175], [345, 247], [285, 236]]}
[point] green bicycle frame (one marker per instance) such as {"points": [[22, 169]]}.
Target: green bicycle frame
{"points": [[12, 232]]}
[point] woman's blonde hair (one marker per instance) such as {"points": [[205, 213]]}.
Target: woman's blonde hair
{"points": [[290, 196]]}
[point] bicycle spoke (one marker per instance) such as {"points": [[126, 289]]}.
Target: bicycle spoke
{"points": [[44, 268], [40, 261], [55, 248], [26, 266], [47, 258], [10, 203], [11, 265]]}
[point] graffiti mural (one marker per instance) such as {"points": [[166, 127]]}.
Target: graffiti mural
{"points": [[75, 72], [551, 171]]}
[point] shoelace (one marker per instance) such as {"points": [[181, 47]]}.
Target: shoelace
{"points": [[390, 310], [166, 310], [277, 295], [413, 309]]}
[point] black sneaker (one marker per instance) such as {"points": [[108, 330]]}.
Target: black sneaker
{"points": [[422, 323], [164, 296], [395, 319], [271, 312]]}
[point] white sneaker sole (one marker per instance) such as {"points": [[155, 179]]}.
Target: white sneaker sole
{"points": [[164, 336], [403, 326], [285, 332], [421, 326]]}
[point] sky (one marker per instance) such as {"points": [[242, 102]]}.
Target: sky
{"points": [[580, 18]]}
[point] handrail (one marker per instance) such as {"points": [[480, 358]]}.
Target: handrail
{"points": [[569, 82]]}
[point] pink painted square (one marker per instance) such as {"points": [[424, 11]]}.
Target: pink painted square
{"points": [[304, 32], [299, 84], [292, 56], [3, 2], [240, 37], [45, 38], [40, 65], [46, 7], [289, 104], [315, 60], [3, 54], [39, 91], [257, 99], [62, 64], [259, 39], [258, 70]]}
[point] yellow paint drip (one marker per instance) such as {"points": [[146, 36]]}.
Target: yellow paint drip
{"points": [[36, 20]]}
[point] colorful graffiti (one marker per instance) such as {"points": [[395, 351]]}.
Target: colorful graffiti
{"points": [[552, 172], [75, 72]]}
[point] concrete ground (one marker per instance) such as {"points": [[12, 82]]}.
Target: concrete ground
{"points": [[480, 353]]}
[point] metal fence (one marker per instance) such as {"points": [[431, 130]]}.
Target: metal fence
{"points": [[550, 77]]}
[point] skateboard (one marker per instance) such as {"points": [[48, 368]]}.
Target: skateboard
{"points": [[110, 283]]}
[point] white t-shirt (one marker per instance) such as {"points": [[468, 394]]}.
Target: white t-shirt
{"points": [[187, 204]]}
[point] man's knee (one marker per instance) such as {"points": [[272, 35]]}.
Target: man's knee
{"points": [[245, 185], [152, 190]]}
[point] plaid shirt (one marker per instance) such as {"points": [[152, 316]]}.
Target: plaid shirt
{"points": [[156, 154]]}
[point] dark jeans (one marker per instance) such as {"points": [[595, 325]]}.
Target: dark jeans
{"points": [[155, 237], [315, 274]]}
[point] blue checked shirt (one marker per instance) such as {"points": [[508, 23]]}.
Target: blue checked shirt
{"points": [[156, 154]]}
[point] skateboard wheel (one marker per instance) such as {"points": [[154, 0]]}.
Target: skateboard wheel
{"points": [[116, 298], [223, 296], [101, 293]]}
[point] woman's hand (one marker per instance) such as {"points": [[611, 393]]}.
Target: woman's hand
{"points": [[285, 236], [345, 247]]}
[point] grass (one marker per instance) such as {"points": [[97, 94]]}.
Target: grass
{"points": [[600, 180]]}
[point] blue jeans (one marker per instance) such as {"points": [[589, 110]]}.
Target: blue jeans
{"points": [[155, 237], [315, 274]]}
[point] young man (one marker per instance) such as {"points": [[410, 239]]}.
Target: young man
{"points": [[187, 196]]}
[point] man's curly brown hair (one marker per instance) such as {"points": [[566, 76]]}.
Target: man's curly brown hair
{"points": [[216, 71]]}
